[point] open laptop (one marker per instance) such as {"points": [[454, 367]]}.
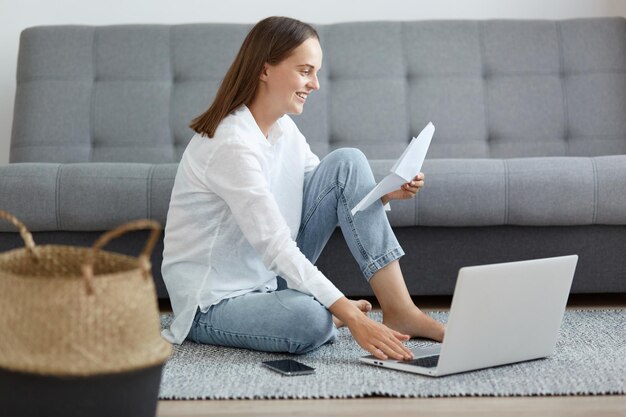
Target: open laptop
{"points": [[500, 314]]}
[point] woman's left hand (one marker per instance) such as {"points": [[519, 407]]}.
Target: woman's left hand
{"points": [[408, 190]]}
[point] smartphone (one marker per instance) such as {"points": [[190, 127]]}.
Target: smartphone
{"points": [[289, 367]]}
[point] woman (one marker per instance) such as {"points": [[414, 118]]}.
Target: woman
{"points": [[252, 202]]}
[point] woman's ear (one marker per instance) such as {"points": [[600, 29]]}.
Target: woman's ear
{"points": [[264, 72]]}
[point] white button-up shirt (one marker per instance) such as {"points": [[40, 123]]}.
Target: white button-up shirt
{"points": [[233, 218]]}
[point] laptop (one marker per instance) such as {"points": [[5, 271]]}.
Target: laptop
{"points": [[500, 314]]}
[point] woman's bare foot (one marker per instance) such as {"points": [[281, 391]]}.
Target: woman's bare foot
{"points": [[415, 323], [362, 305]]}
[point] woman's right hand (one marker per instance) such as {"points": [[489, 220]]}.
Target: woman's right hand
{"points": [[375, 337], [378, 339]]}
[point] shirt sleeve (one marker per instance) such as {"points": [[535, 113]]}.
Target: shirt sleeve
{"points": [[236, 173]]}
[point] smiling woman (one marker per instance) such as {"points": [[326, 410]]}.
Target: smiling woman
{"points": [[252, 203], [277, 45], [284, 87]]}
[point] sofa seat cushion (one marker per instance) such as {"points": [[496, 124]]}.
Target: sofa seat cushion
{"points": [[85, 196], [556, 191]]}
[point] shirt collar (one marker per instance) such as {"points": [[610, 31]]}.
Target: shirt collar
{"points": [[275, 133]]}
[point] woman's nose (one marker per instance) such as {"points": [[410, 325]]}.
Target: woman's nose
{"points": [[314, 83]]}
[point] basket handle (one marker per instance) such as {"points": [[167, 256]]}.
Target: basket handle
{"points": [[26, 236], [144, 256]]}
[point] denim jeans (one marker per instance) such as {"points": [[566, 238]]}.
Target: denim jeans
{"points": [[287, 320]]}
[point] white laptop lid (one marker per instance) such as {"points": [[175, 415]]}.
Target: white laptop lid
{"points": [[505, 313], [500, 314]]}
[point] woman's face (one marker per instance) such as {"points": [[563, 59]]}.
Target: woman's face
{"points": [[290, 82]]}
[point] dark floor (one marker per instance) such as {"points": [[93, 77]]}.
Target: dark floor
{"points": [[443, 302]]}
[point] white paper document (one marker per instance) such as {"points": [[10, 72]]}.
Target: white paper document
{"points": [[404, 170]]}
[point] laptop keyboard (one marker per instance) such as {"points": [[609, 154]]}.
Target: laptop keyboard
{"points": [[426, 362]]}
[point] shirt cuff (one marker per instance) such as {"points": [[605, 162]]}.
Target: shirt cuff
{"points": [[323, 290]]}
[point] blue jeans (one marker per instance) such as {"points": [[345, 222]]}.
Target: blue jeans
{"points": [[287, 320]]}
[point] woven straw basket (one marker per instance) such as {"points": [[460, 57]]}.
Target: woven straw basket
{"points": [[72, 311]]}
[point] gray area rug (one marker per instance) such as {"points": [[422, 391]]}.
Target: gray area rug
{"points": [[590, 359]]}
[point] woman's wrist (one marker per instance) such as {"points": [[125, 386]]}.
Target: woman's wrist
{"points": [[346, 311]]}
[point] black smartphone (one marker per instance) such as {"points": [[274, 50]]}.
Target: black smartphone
{"points": [[289, 367]]}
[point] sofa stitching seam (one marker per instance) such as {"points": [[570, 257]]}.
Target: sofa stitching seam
{"points": [[481, 47], [57, 198], [405, 68], [594, 167], [566, 118], [92, 102], [173, 82], [149, 191], [506, 191]]}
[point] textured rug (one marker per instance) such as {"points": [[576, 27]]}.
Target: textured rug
{"points": [[590, 359]]}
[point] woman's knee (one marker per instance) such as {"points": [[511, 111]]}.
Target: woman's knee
{"points": [[351, 163], [318, 329], [313, 324], [353, 155]]}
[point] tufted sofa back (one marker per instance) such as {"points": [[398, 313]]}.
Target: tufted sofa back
{"points": [[494, 89]]}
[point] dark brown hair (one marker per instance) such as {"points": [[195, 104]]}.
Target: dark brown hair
{"points": [[270, 41]]}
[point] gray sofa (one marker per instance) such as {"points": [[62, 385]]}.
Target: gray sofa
{"points": [[528, 159]]}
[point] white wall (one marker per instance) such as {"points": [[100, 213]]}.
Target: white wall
{"points": [[16, 15]]}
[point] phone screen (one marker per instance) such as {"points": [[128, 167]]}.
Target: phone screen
{"points": [[289, 367]]}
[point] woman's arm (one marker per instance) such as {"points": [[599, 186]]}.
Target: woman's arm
{"points": [[375, 337], [235, 172]]}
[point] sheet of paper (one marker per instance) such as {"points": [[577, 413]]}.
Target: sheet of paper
{"points": [[404, 170]]}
